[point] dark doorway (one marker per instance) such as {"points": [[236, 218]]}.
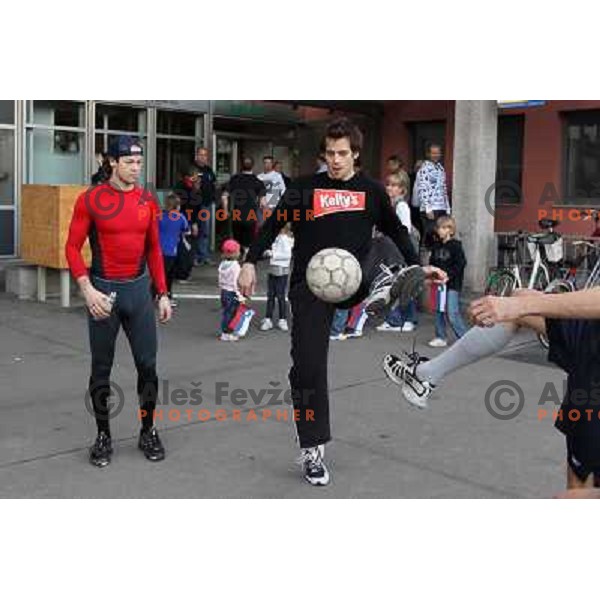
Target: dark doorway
{"points": [[424, 133]]}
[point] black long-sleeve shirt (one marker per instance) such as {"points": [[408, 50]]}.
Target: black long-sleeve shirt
{"points": [[450, 257], [330, 213]]}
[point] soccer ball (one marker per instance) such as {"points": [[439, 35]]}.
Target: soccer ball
{"points": [[333, 275]]}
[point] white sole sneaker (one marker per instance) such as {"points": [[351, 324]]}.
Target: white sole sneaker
{"points": [[408, 285], [386, 327], [402, 372], [354, 334], [314, 470], [266, 325]]}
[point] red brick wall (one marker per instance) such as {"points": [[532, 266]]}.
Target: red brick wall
{"points": [[542, 155], [542, 167]]}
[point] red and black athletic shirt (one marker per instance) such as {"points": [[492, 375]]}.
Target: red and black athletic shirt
{"points": [[123, 231]]}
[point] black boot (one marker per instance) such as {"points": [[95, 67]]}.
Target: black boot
{"points": [[101, 451], [151, 445]]}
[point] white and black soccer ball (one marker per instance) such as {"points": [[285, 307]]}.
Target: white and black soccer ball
{"points": [[333, 275]]}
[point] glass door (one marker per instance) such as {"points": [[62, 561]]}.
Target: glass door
{"points": [[224, 158], [7, 178]]}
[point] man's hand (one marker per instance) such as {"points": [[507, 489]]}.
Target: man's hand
{"points": [[430, 215], [490, 310], [435, 275], [165, 311], [97, 303], [247, 280]]}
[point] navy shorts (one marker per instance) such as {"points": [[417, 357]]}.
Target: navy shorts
{"points": [[575, 347]]}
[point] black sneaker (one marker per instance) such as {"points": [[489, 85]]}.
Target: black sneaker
{"points": [[408, 285], [394, 285], [151, 445], [313, 467], [101, 451]]}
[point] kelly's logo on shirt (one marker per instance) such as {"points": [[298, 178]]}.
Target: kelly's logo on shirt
{"points": [[328, 202]]}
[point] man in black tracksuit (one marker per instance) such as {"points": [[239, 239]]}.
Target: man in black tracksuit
{"points": [[334, 209]]}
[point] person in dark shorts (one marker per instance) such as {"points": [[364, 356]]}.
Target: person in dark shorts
{"points": [[572, 323], [121, 221], [338, 208], [575, 348]]}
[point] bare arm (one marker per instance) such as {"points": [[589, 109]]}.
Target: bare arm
{"points": [[584, 304]]}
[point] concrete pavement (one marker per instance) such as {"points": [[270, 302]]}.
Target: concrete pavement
{"points": [[381, 447]]}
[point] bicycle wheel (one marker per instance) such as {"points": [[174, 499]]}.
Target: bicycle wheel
{"points": [[558, 286], [501, 283], [541, 282]]}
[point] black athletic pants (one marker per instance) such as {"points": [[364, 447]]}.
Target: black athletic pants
{"points": [[134, 311], [170, 268], [311, 324], [277, 287]]}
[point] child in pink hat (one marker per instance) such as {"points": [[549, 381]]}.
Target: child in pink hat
{"points": [[229, 270]]}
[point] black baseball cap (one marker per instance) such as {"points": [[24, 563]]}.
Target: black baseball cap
{"points": [[125, 145]]}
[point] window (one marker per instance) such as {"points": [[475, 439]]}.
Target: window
{"points": [[178, 136], [112, 121], [55, 113], [7, 177], [226, 159], [509, 159], [176, 123], [55, 141], [7, 112], [120, 118], [7, 232], [173, 157], [582, 158], [7, 167]]}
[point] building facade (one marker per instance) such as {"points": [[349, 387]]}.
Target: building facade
{"points": [[517, 161], [57, 141], [548, 155]]}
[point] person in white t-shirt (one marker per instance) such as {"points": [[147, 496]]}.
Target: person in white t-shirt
{"points": [[279, 271], [274, 183], [397, 189]]}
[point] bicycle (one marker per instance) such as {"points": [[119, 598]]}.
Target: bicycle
{"points": [[585, 251], [546, 245], [568, 283], [503, 281]]}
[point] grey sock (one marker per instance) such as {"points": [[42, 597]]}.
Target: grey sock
{"points": [[476, 344]]}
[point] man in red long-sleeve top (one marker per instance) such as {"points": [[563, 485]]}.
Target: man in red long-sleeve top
{"points": [[121, 221]]}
